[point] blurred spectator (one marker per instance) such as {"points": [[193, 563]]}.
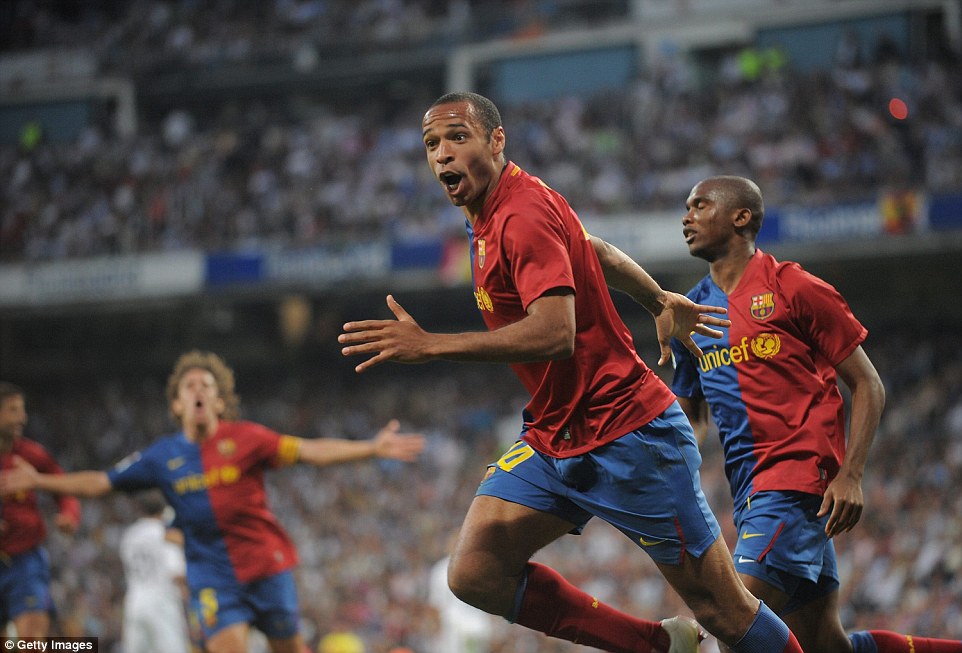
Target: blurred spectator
{"points": [[340, 641]]}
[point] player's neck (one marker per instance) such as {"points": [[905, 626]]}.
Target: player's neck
{"points": [[729, 269], [200, 432]]}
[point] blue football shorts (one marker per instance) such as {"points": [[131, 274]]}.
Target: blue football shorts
{"points": [[269, 604], [645, 484], [24, 584], [782, 542]]}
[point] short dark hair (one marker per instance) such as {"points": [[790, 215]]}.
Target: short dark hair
{"points": [[150, 502], [741, 192], [8, 389], [484, 109]]}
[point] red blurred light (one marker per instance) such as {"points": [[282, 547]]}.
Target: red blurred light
{"points": [[898, 108]]}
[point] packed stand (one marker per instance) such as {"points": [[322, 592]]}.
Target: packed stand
{"points": [[255, 175], [151, 35], [368, 534]]}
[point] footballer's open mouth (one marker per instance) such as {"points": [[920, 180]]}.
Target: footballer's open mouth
{"points": [[689, 235], [451, 180]]}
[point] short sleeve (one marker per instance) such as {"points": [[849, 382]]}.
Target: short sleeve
{"points": [[822, 314], [135, 472], [537, 248]]}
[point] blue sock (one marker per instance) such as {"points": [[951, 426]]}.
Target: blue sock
{"points": [[862, 642], [767, 634]]}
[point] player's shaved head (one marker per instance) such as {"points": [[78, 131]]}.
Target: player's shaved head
{"points": [[735, 192]]}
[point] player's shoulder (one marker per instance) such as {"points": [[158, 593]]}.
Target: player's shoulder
{"points": [[244, 435], [27, 448], [527, 192], [788, 275], [701, 290], [241, 427], [161, 448]]}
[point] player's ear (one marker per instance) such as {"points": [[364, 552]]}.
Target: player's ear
{"points": [[742, 217], [177, 408], [497, 140]]}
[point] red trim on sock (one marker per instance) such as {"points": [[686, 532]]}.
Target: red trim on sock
{"points": [[888, 642], [557, 608], [792, 645]]}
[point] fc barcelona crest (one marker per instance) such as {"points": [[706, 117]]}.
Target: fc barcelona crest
{"points": [[763, 306], [226, 447], [480, 252]]}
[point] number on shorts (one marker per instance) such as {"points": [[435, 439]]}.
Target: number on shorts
{"points": [[514, 456], [208, 606]]}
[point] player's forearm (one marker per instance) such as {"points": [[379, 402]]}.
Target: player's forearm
{"points": [[868, 400], [81, 484], [510, 344], [547, 332], [331, 451], [624, 274]]}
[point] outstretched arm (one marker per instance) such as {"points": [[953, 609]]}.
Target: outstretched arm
{"points": [[843, 497], [676, 316], [547, 332], [67, 518], [388, 443], [24, 477]]}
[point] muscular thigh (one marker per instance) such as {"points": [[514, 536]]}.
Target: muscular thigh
{"points": [[500, 536]]}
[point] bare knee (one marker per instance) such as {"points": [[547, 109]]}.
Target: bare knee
{"points": [[481, 585], [32, 624], [232, 639]]}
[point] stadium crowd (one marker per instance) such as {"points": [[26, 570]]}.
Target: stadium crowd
{"points": [[133, 37], [368, 534], [300, 174]]}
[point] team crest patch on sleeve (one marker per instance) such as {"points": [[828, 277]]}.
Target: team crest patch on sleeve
{"points": [[763, 305]]}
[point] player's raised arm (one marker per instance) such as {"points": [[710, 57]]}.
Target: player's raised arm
{"points": [[24, 477], [389, 443]]}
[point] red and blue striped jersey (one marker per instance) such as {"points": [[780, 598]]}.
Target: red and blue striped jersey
{"points": [[770, 382], [216, 488], [526, 242], [23, 523]]}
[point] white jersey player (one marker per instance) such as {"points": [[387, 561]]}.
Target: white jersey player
{"points": [[461, 628], [154, 567]]}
